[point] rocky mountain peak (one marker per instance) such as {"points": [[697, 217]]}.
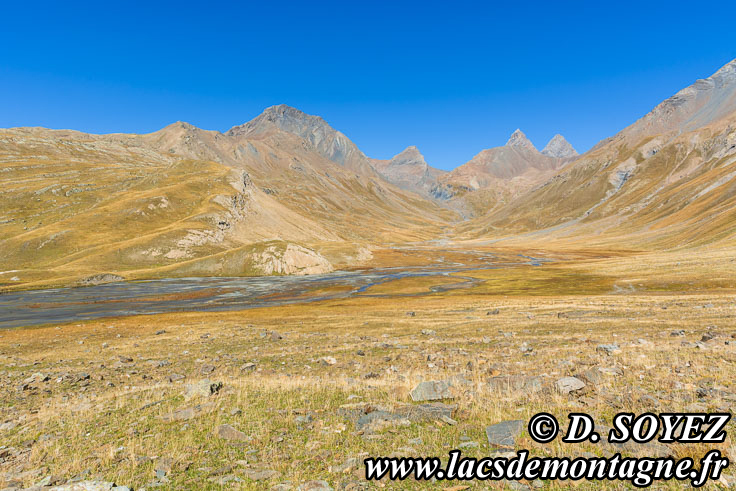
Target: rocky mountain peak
{"points": [[519, 140], [410, 155], [283, 117], [322, 137], [559, 148]]}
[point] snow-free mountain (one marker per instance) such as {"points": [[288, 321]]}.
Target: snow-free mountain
{"points": [[286, 193]]}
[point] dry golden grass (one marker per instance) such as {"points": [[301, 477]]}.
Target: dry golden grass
{"points": [[111, 425]]}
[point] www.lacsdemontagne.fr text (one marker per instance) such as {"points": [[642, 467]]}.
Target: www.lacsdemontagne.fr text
{"points": [[640, 472]]}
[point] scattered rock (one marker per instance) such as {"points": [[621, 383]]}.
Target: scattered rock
{"points": [[203, 388], [90, 486], [100, 279], [349, 465], [36, 378], [431, 390], [7, 426], [364, 414], [315, 486], [503, 435], [261, 474], [188, 413], [228, 432], [272, 335], [515, 384], [163, 466], [611, 371], [609, 349], [565, 385], [592, 376], [514, 485], [649, 402]]}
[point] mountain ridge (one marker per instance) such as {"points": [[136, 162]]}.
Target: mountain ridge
{"points": [[188, 201]]}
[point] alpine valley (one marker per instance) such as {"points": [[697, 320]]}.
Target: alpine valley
{"points": [[286, 193]]}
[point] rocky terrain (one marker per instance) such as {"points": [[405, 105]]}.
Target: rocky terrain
{"points": [[620, 297], [295, 397]]}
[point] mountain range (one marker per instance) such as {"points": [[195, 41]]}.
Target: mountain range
{"points": [[285, 193]]}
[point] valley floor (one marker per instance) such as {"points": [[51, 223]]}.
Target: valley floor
{"points": [[138, 401]]}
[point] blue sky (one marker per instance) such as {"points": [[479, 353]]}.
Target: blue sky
{"points": [[451, 78]]}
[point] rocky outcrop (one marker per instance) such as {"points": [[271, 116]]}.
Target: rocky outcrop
{"points": [[100, 279], [293, 259]]}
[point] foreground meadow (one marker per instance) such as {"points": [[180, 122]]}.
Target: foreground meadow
{"points": [[281, 397]]}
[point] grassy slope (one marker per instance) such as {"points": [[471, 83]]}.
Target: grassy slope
{"points": [[74, 205], [681, 195], [112, 424]]}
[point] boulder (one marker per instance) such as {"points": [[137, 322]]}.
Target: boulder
{"points": [[431, 390], [503, 435], [228, 432], [565, 385], [203, 388]]}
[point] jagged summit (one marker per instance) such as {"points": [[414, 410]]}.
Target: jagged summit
{"points": [[519, 140], [410, 155], [284, 117], [324, 138], [559, 148]]}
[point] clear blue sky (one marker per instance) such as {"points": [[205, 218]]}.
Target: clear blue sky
{"points": [[449, 77]]}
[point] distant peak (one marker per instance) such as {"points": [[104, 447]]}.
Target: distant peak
{"points": [[519, 140], [181, 124], [284, 117], [559, 148], [410, 155], [410, 151], [285, 110]]}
